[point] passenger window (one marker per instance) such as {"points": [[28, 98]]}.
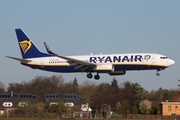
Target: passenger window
{"points": [[164, 57]]}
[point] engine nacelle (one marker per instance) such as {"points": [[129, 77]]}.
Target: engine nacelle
{"points": [[108, 68], [104, 67], [117, 73]]}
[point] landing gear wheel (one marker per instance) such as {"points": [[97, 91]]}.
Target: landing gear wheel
{"points": [[89, 75], [157, 74], [96, 77]]}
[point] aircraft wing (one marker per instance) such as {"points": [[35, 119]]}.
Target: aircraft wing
{"points": [[18, 59], [73, 62]]}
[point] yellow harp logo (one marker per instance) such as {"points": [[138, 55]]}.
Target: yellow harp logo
{"points": [[25, 45]]}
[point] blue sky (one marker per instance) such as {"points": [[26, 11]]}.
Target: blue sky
{"points": [[83, 27]]}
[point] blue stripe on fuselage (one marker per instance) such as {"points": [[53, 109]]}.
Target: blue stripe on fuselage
{"points": [[138, 67], [66, 69]]}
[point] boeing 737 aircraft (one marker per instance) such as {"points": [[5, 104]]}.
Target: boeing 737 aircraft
{"points": [[112, 64]]}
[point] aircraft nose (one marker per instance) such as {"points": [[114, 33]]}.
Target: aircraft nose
{"points": [[171, 62]]}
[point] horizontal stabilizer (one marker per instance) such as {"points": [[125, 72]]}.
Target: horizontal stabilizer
{"points": [[18, 59]]}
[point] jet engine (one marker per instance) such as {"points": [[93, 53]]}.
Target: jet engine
{"points": [[104, 67]]}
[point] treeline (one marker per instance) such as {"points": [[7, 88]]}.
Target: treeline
{"points": [[114, 96]]}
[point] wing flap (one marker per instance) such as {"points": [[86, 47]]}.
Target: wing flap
{"points": [[79, 66]]}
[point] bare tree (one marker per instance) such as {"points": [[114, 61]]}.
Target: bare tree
{"points": [[145, 106]]}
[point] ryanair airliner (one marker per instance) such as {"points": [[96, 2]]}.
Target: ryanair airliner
{"points": [[112, 64]]}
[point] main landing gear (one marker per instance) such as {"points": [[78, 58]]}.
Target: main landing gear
{"points": [[89, 75], [97, 77]]}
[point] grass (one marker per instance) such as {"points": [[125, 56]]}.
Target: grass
{"points": [[68, 119], [29, 119]]}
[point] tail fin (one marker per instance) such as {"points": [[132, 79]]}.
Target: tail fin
{"points": [[27, 47]]}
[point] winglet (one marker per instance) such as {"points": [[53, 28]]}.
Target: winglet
{"points": [[48, 49]]}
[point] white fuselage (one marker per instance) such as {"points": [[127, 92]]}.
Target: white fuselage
{"points": [[119, 62]]}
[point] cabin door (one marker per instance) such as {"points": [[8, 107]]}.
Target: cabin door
{"points": [[42, 63], [153, 59]]}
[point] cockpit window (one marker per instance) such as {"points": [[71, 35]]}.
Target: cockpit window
{"points": [[164, 57]]}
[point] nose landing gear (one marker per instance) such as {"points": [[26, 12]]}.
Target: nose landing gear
{"points": [[157, 74]]}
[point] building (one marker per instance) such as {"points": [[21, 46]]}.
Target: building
{"points": [[65, 98], [85, 107], [170, 108], [11, 101]]}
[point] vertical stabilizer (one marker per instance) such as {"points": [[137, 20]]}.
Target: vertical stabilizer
{"points": [[27, 47]]}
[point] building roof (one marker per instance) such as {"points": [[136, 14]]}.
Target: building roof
{"points": [[170, 103]]}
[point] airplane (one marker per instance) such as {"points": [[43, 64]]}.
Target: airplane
{"points": [[112, 64]]}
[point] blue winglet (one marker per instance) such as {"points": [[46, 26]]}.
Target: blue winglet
{"points": [[47, 48]]}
